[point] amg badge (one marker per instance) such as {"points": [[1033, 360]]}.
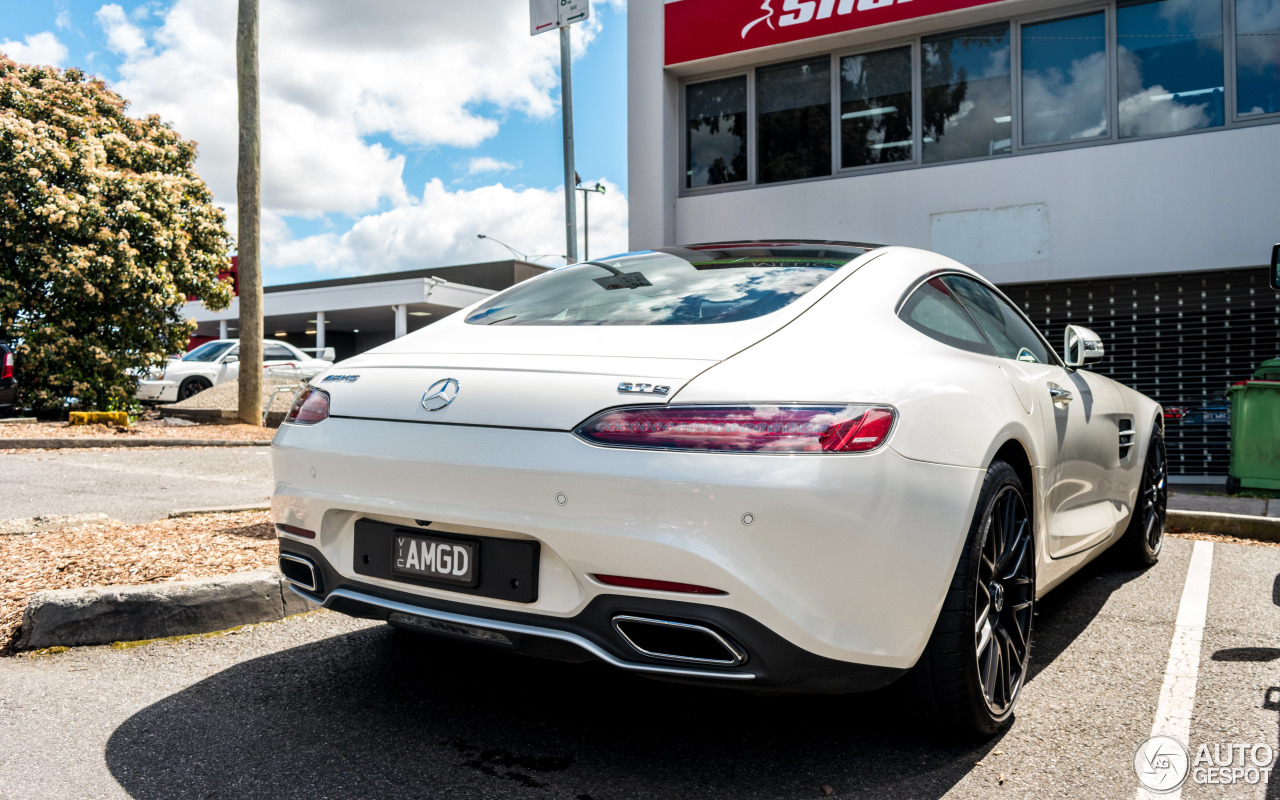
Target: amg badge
{"points": [[340, 379]]}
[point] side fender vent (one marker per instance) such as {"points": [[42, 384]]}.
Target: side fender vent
{"points": [[1127, 433]]}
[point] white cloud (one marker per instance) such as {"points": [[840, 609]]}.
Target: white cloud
{"points": [[335, 75], [38, 48], [123, 37], [441, 229], [485, 165], [63, 20]]}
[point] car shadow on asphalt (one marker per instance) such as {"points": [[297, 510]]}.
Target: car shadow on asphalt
{"points": [[384, 713]]}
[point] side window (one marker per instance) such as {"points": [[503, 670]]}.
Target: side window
{"points": [[271, 351], [1009, 332], [934, 310]]}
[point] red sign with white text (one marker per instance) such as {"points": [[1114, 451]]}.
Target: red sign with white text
{"points": [[704, 28]]}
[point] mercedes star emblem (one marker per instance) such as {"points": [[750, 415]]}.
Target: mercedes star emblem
{"points": [[442, 393]]}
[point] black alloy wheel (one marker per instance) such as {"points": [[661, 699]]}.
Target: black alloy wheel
{"points": [[1004, 601], [1155, 496], [973, 668], [1143, 539], [192, 387]]}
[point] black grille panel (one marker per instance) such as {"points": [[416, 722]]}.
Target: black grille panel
{"points": [[1178, 338]]}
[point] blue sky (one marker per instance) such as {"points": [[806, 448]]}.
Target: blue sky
{"points": [[393, 130]]}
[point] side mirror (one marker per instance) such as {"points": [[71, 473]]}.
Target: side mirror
{"points": [[1275, 268], [231, 359], [328, 354], [1082, 346]]}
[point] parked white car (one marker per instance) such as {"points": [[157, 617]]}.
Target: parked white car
{"points": [[214, 362], [797, 467]]}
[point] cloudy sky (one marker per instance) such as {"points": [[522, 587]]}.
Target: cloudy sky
{"points": [[393, 131]]}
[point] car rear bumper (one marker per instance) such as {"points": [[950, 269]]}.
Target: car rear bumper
{"points": [[844, 558], [157, 391], [770, 663]]}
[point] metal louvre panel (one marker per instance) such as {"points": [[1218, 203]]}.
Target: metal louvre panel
{"points": [[1179, 338]]}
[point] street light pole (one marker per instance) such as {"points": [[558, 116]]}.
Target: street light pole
{"points": [[586, 217], [566, 103]]}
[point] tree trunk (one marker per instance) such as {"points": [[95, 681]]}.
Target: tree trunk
{"points": [[248, 202]]}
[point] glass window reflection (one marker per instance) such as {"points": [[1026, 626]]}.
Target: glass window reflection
{"points": [[966, 95], [1257, 57], [1170, 66], [1064, 79], [875, 108], [793, 121], [716, 132]]}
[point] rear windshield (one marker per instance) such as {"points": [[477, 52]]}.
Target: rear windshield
{"points": [[684, 287], [209, 351]]}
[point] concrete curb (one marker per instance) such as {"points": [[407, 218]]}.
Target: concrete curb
{"points": [[1244, 526], [195, 512], [106, 614], [111, 441]]}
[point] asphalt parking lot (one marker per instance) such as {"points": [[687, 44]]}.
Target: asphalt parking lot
{"points": [[133, 484], [324, 706]]}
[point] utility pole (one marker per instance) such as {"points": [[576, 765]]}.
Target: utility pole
{"points": [[248, 209], [586, 217], [566, 107]]}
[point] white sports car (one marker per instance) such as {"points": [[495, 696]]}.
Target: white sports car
{"points": [[803, 466], [214, 362]]}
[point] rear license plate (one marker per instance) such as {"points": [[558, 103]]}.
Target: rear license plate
{"points": [[434, 559]]}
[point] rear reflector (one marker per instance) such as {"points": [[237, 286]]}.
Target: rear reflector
{"points": [[757, 428], [310, 407], [657, 586], [294, 530]]}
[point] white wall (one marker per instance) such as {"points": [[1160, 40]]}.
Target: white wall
{"points": [[1161, 205], [1191, 202]]}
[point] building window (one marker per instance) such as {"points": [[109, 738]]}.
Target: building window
{"points": [[1257, 57], [793, 121], [1064, 79], [716, 132], [875, 108], [1170, 66], [967, 98]]}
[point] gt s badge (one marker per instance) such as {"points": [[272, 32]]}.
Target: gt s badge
{"points": [[642, 388]]}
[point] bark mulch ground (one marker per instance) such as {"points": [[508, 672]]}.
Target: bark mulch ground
{"points": [[141, 430], [1217, 537], [115, 554]]}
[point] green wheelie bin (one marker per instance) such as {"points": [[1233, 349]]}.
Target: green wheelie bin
{"points": [[1255, 430]]}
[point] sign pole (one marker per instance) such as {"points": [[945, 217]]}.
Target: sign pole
{"points": [[566, 103]]}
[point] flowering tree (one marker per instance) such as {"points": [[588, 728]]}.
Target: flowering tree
{"points": [[105, 229]]}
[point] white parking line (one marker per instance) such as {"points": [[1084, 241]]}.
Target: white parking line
{"points": [[1178, 693]]}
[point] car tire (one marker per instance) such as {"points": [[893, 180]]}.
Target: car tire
{"points": [[975, 663], [191, 387], [1233, 484], [1141, 542]]}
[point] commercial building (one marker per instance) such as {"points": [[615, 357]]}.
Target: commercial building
{"points": [[1115, 164], [355, 314]]}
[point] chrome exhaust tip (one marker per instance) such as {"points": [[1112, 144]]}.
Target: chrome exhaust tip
{"points": [[678, 641], [299, 571]]}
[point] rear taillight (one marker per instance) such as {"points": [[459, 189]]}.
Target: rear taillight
{"points": [[748, 428], [6, 366], [311, 406]]}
